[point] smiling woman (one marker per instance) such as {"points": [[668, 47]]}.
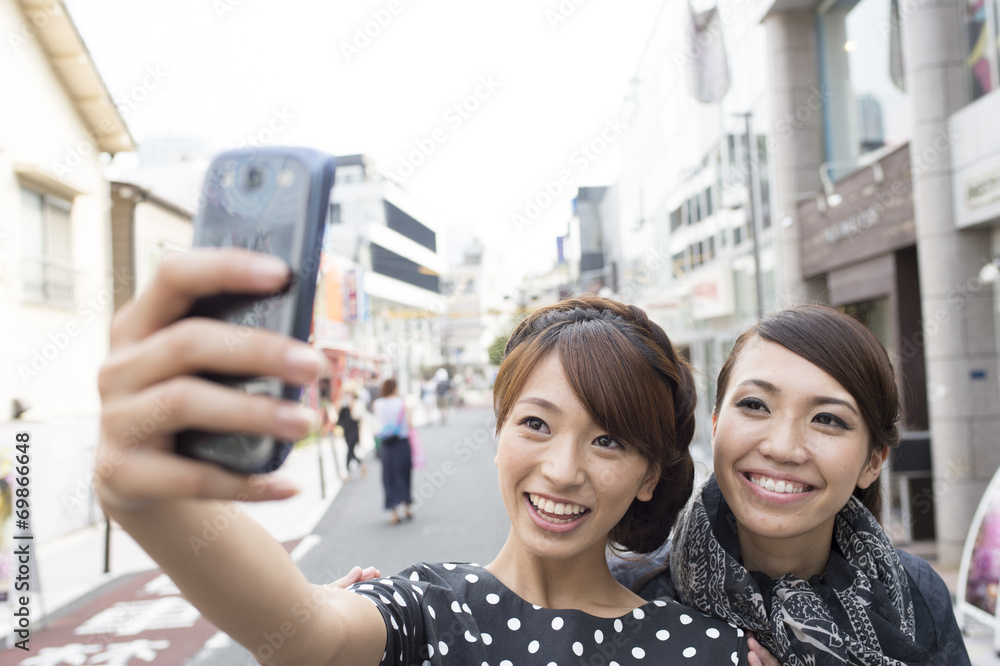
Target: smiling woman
{"points": [[784, 539], [594, 412]]}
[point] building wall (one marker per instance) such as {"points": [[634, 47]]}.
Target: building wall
{"points": [[157, 232], [53, 352], [685, 160]]}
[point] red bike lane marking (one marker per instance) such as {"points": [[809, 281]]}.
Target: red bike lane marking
{"points": [[139, 619]]}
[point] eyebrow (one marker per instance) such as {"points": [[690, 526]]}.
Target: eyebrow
{"points": [[541, 402], [816, 401]]}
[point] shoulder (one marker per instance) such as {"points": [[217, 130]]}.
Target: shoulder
{"points": [[927, 583], [646, 575], [937, 628]]}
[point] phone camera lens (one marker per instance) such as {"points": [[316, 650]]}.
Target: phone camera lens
{"points": [[254, 178]]}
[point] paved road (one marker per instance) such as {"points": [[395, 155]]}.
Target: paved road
{"points": [[459, 517]]}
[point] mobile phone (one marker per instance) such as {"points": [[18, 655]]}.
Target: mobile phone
{"points": [[274, 200]]}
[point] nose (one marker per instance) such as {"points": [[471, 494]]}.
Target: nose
{"points": [[784, 441], [562, 463]]}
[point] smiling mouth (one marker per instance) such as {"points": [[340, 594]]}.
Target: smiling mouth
{"points": [[557, 513], [778, 486]]}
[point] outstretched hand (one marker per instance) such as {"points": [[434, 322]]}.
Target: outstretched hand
{"points": [[759, 656], [355, 575], [150, 389]]}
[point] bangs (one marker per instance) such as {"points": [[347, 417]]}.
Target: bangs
{"points": [[618, 386]]}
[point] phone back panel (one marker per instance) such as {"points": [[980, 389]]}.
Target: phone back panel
{"points": [[272, 200]]}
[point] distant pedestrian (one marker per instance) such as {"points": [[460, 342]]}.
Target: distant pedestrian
{"points": [[371, 392], [393, 441], [443, 389], [349, 420]]}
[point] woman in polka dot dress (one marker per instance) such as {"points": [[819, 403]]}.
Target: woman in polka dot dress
{"points": [[594, 412]]}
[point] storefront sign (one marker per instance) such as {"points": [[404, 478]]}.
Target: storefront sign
{"points": [[975, 153], [852, 226], [874, 217], [712, 293], [982, 190]]}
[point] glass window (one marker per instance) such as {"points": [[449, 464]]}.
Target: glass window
{"points": [[47, 262], [865, 104], [680, 263], [675, 219]]}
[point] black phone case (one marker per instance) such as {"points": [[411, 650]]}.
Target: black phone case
{"points": [[243, 452]]}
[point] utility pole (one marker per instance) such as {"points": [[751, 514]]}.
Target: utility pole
{"points": [[753, 185]]}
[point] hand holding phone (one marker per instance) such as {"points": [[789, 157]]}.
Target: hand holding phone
{"points": [[272, 200]]}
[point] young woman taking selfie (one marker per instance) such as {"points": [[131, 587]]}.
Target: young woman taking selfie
{"points": [[594, 417]]}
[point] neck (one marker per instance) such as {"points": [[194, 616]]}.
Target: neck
{"points": [[582, 582], [803, 557]]}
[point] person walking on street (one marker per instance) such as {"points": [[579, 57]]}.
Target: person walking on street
{"points": [[393, 421], [349, 420]]}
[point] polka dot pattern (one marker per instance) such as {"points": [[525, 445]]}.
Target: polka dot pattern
{"points": [[464, 615]]}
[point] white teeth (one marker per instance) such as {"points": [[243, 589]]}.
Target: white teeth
{"points": [[557, 509], [777, 486]]}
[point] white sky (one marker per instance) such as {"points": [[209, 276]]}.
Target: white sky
{"points": [[225, 66]]}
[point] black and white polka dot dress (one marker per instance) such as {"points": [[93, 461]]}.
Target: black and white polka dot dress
{"points": [[451, 614]]}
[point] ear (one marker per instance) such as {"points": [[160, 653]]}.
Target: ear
{"points": [[715, 423], [645, 492], [872, 468]]}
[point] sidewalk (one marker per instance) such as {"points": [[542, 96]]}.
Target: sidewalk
{"points": [[70, 567]]}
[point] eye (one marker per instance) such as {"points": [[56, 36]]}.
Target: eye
{"points": [[606, 442], [828, 419], [753, 404], [534, 423]]}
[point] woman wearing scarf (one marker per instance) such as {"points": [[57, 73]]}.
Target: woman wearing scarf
{"points": [[783, 539]]}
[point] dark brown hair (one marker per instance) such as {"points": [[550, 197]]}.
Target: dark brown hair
{"points": [[388, 388], [629, 378], [845, 349]]}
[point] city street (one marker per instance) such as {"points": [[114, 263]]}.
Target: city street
{"points": [[140, 617]]}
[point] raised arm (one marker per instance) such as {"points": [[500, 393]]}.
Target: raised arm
{"points": [[181, 511]]}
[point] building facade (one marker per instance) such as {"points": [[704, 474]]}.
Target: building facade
{"points": [[696, 190], [375, 225], [56, 129], [845, 153]]}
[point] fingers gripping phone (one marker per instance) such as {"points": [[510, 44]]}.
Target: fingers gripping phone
{"points": [[272, 200]]}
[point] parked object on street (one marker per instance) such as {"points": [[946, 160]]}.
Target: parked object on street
{"points": [[592, 449]]}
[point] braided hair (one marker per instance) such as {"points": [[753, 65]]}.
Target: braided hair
{"points": [[630, 379]]}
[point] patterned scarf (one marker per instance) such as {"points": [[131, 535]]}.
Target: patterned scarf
{"points": [[859, 612]]}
